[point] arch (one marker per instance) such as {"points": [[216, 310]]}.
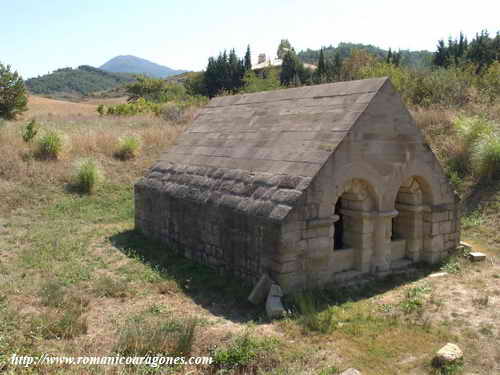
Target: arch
{"points": [[353, 225], [346, 173], [413, 197]]}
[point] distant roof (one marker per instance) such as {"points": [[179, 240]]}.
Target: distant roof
{"points": [[278, 62], [258, 152]]}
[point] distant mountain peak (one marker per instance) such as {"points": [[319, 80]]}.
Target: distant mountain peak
{"points": [[137, 65]]}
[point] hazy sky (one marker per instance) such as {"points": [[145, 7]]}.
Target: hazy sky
{"points": [[39, 36]]}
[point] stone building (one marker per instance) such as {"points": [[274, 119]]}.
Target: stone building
{"points": [[312, 185]]}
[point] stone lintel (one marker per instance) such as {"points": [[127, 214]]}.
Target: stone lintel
{"points": [[412, 208]]}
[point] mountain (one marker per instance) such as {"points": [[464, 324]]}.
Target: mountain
{"points": [[136, 65], [83, 80], [414, 59]]}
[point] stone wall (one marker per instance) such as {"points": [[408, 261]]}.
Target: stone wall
{"points": [[224, 239]]}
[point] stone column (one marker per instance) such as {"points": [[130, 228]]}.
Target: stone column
{"points": [[382, 245], [412, 230], [358, 234]]}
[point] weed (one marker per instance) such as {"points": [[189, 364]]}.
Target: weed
{"points": [[129, 147], [64, 324], [173, 336], [106, 286], [481, 301], [329, 371], [311, 319], [52, 293], [29, 131], [87, 175], [413, 301], [244, 350]]}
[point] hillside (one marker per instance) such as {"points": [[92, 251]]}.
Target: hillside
{"points": [[82, 80], [416, 59], [136, 65]]}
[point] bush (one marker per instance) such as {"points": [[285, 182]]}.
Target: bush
{"points": [[129, 147], [30, 130], [51, 145], [13, 93], [486, 157], [88, 175]]}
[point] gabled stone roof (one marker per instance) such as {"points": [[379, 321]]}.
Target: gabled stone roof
{"points": [[257, 153]]}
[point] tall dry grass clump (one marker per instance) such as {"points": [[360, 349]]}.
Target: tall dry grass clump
{"points": [[486, 157], [88, 175], [129, 147], [52, 145]]}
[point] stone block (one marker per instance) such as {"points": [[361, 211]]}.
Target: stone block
{"points": [[274, 307], [476, 256], [350, 371], [275, 290], [445, 227], [260, 290], [448, 354], [434, 243]]}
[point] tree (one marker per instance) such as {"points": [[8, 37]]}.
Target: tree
{"points": [[248, 59], [13, 93], [441, 57], [293, 72], [283, 48]]}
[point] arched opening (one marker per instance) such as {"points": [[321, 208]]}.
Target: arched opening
{"points": [[353, 228], [407, 227]]}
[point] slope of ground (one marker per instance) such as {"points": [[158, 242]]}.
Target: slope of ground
{"points": [[80, 81], [77, 280]]}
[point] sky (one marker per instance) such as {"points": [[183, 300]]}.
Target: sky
{"points": [[37, 37]]}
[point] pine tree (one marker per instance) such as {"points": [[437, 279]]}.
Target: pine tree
{"points": [[388, 59], [441, 57], [248, 59], [13, 93], [283, 48]]}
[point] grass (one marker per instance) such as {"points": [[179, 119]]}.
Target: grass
{"points": [[486, 157], [106, 286]]}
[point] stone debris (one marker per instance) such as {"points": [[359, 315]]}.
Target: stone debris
{"points": [[476, 256], [449, 353], [464, 246], [439, 274], [351, 371], [274, 306], [260, 290]]}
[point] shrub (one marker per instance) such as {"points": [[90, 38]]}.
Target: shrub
{"points": [[172, 112], [173, 336], [13, 93], [101, 109], [30, 130], [51, 145], [88, 175], [486, 157], [129, 147]]}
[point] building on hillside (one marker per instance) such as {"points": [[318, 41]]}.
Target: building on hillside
{"points": [[312, 185], [263, 63]]}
